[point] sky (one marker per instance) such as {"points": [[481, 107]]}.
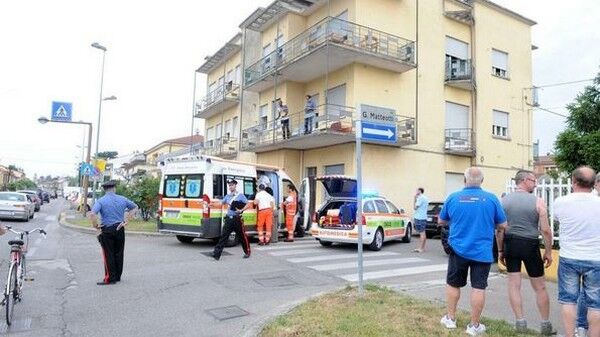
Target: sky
{"points": [[153, 51]]}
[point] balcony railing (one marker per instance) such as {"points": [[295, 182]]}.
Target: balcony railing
{"points": [[333, 31], [328, 119], [459, 70], [459, 141], [220, 147], [228, 91]]}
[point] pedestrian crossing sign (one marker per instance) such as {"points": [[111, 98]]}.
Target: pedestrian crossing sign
{"points": [[62, 111], [87, 170]]}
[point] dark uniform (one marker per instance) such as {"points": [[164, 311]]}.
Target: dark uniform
{"points": [[233, 223], [112, 208]]}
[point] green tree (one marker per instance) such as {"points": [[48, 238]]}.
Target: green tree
{"points": [[108, 154], [579, 144], [21, 184], [144, 192]]}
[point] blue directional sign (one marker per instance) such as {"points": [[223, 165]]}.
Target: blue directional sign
{"points": [[86, 169], [62, 111], [379, 132]]}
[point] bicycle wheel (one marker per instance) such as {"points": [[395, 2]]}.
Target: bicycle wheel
{"points": [[9, 298], [22, 275]]}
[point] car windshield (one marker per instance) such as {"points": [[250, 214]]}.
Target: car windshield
{"points": [[434, 207], [12, 197]]}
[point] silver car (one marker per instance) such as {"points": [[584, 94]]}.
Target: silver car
{"points": [[15, 205]]}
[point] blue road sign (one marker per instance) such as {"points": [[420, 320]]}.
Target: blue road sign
{"points": [[378, 132], [62, 111], [86, 169]]}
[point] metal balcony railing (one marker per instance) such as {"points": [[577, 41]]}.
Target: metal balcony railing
{"points": [[227, 91], [220, 147], [459, 70], [459, 141], [327, 119], [333, 31]]}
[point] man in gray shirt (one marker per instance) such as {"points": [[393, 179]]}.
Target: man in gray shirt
{"points": [[527, 216]]}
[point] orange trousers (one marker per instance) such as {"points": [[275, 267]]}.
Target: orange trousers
{"points": [[264, 223], [289, 225]]}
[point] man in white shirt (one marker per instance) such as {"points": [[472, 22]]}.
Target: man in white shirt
{"points": [[579, 265], [265, 203]]}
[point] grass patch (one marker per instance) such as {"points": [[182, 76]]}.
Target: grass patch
{"points": [[133, 226], [380, 313]]}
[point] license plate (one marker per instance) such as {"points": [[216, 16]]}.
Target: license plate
{"points": [[333, 233], [171, 214]]}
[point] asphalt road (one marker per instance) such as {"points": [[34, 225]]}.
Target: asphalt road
{"points": [[173, 289]]}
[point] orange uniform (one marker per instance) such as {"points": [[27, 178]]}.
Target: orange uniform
{"points": [[291, 203]]}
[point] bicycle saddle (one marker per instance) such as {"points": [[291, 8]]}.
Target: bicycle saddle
{"points": [[16, 242]]}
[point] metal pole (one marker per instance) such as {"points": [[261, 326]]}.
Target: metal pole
{"points": [[99, 115], [358, 131], [193, 116], [86, 178]]}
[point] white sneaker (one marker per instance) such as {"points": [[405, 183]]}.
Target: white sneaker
{"points": [[475, 330], [580, 332], [448, 323]]}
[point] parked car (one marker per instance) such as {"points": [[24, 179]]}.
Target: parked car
{"points": [[15, 205], [433, 211], [335, 220], [35, 199], [45, 196]]}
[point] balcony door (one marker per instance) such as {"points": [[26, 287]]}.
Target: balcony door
{"points": [[336, 102], [457, 54], [457, 126]]}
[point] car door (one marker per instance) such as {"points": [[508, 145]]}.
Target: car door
{"points": [[307, 201]]}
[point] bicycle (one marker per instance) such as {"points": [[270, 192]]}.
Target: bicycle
{"points": [[17, 270]]}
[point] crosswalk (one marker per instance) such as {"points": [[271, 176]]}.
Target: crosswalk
{"points": [[385, 266]]}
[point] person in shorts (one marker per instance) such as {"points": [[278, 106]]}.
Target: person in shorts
{"points": [[526, 216], [421, 204], [473, 215], [578, 215]]}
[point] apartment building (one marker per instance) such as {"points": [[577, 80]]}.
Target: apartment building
{"points": [[451, 78]]}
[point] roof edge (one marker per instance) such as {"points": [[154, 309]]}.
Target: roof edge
{"points": [[508, 12]]}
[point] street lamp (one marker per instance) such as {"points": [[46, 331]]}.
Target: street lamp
{"points": [[44, 120]]}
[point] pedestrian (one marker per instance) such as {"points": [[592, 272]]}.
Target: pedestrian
{"points": [[115, 212], [309, 115], [473, 215], [578, 215], [284, 118], [265, 204], [233, 220], [291, 206], [421, 203], [527, 217]]}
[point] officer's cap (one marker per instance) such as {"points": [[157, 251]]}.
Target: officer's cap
{"points": [[109, 184], [232, 181]]}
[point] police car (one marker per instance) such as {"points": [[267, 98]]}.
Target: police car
{"points": [[335, 219]]}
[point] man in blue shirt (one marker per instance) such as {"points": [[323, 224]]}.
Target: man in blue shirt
{"points": [[421, 204], [473, 215], [233, 220], [115, 211]]}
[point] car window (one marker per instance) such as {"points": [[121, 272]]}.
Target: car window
{"points": [[369, 207], [12, 197], [381, 208], [172, 186], [434, 208], [392, 208], [193, 186]]}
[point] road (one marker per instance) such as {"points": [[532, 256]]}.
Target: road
{"points": [[169, 288]]}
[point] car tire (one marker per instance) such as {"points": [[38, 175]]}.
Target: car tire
{"points": [[325, 243], [184, 239], [408, 235], [377, 243], [32, 214]]}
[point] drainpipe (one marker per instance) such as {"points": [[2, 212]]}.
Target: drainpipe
{"points": [[417, 71], [474, 94]]}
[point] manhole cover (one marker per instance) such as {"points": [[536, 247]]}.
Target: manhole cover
{"points": [[18, 325], [227, 312], [279, 281], [210, 254]]}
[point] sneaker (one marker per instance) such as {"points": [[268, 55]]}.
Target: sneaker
{"points": [[580, 332], [448, 323], [546, 329], [473, 330], [521, 325]]}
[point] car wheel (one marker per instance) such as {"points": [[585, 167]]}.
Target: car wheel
{"points": [[377, 243], [32, 214], [184, 239], [408, 235], [325, 243]]}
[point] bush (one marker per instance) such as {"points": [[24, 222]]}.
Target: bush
{"points": [[144, 192]]}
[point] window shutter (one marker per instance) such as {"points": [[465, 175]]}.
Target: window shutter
{"points": [[499, 60]]}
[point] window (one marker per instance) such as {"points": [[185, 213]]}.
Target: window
{"points": [[457, 55], [279, 43], [334, 169], [381, 208], [218, 132], [229, 80], [369, 207], [457, 116], [210, 136], [227, 133], [238, 75], [267, 57], [499, 63], [193, 186], [392, 208], [311, 171], [172, 186], [245, 183], [234, 127], [219, 189], [500, 125], [454, 182], [262, 116]]}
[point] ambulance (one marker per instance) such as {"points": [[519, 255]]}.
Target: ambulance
{"points": [[335, 219], [192, 189]]}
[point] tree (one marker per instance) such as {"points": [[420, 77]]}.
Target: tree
{"points": [[108, 154], [144, 192], [22, 184], [579, 144]]}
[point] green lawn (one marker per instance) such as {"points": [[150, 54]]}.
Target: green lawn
{"points": [[380, 313], [134, 225]]}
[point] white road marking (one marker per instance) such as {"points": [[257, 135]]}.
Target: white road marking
{"points": [[339, 256], [50, 218], [396, 272], [315, 250], [368, 263]]}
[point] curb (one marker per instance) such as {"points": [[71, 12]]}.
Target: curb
{"points": [[63, 222]]}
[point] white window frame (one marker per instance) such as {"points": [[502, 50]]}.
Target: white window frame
{"points": [[499, 66], [210, 135], [498, 129]]}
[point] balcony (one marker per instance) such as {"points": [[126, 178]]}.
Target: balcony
{"points": [[460, 74], [225, 147], [463, 12], [220, 99], [459, 142], [329, 45], [332, 125]]}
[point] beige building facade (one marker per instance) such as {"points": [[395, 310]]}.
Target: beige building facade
{"points": [[453, 76]]}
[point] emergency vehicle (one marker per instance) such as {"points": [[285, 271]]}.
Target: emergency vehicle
{"points": [[335, 219], [192, 189]]}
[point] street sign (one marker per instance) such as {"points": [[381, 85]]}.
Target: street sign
{"points": [[62, 111], [87, 170], [379, 115], [378, 132]]}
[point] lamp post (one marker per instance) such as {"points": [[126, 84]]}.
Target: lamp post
{"points": [[86, 178]]}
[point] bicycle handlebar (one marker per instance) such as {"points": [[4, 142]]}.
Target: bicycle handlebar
{"points": [[38, 229]]}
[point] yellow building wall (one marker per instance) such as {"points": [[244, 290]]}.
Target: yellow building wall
{"points": [[222, 117], [390, 16], [221, 71], [335, 8], [166, 148]]}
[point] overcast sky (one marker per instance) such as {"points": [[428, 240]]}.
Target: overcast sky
{"points": [[153, 49]]}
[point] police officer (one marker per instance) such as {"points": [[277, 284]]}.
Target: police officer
{"points": [[115, 211], [233, 220]]}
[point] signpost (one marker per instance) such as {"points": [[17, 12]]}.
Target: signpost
{"points": [[61, 111]]}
